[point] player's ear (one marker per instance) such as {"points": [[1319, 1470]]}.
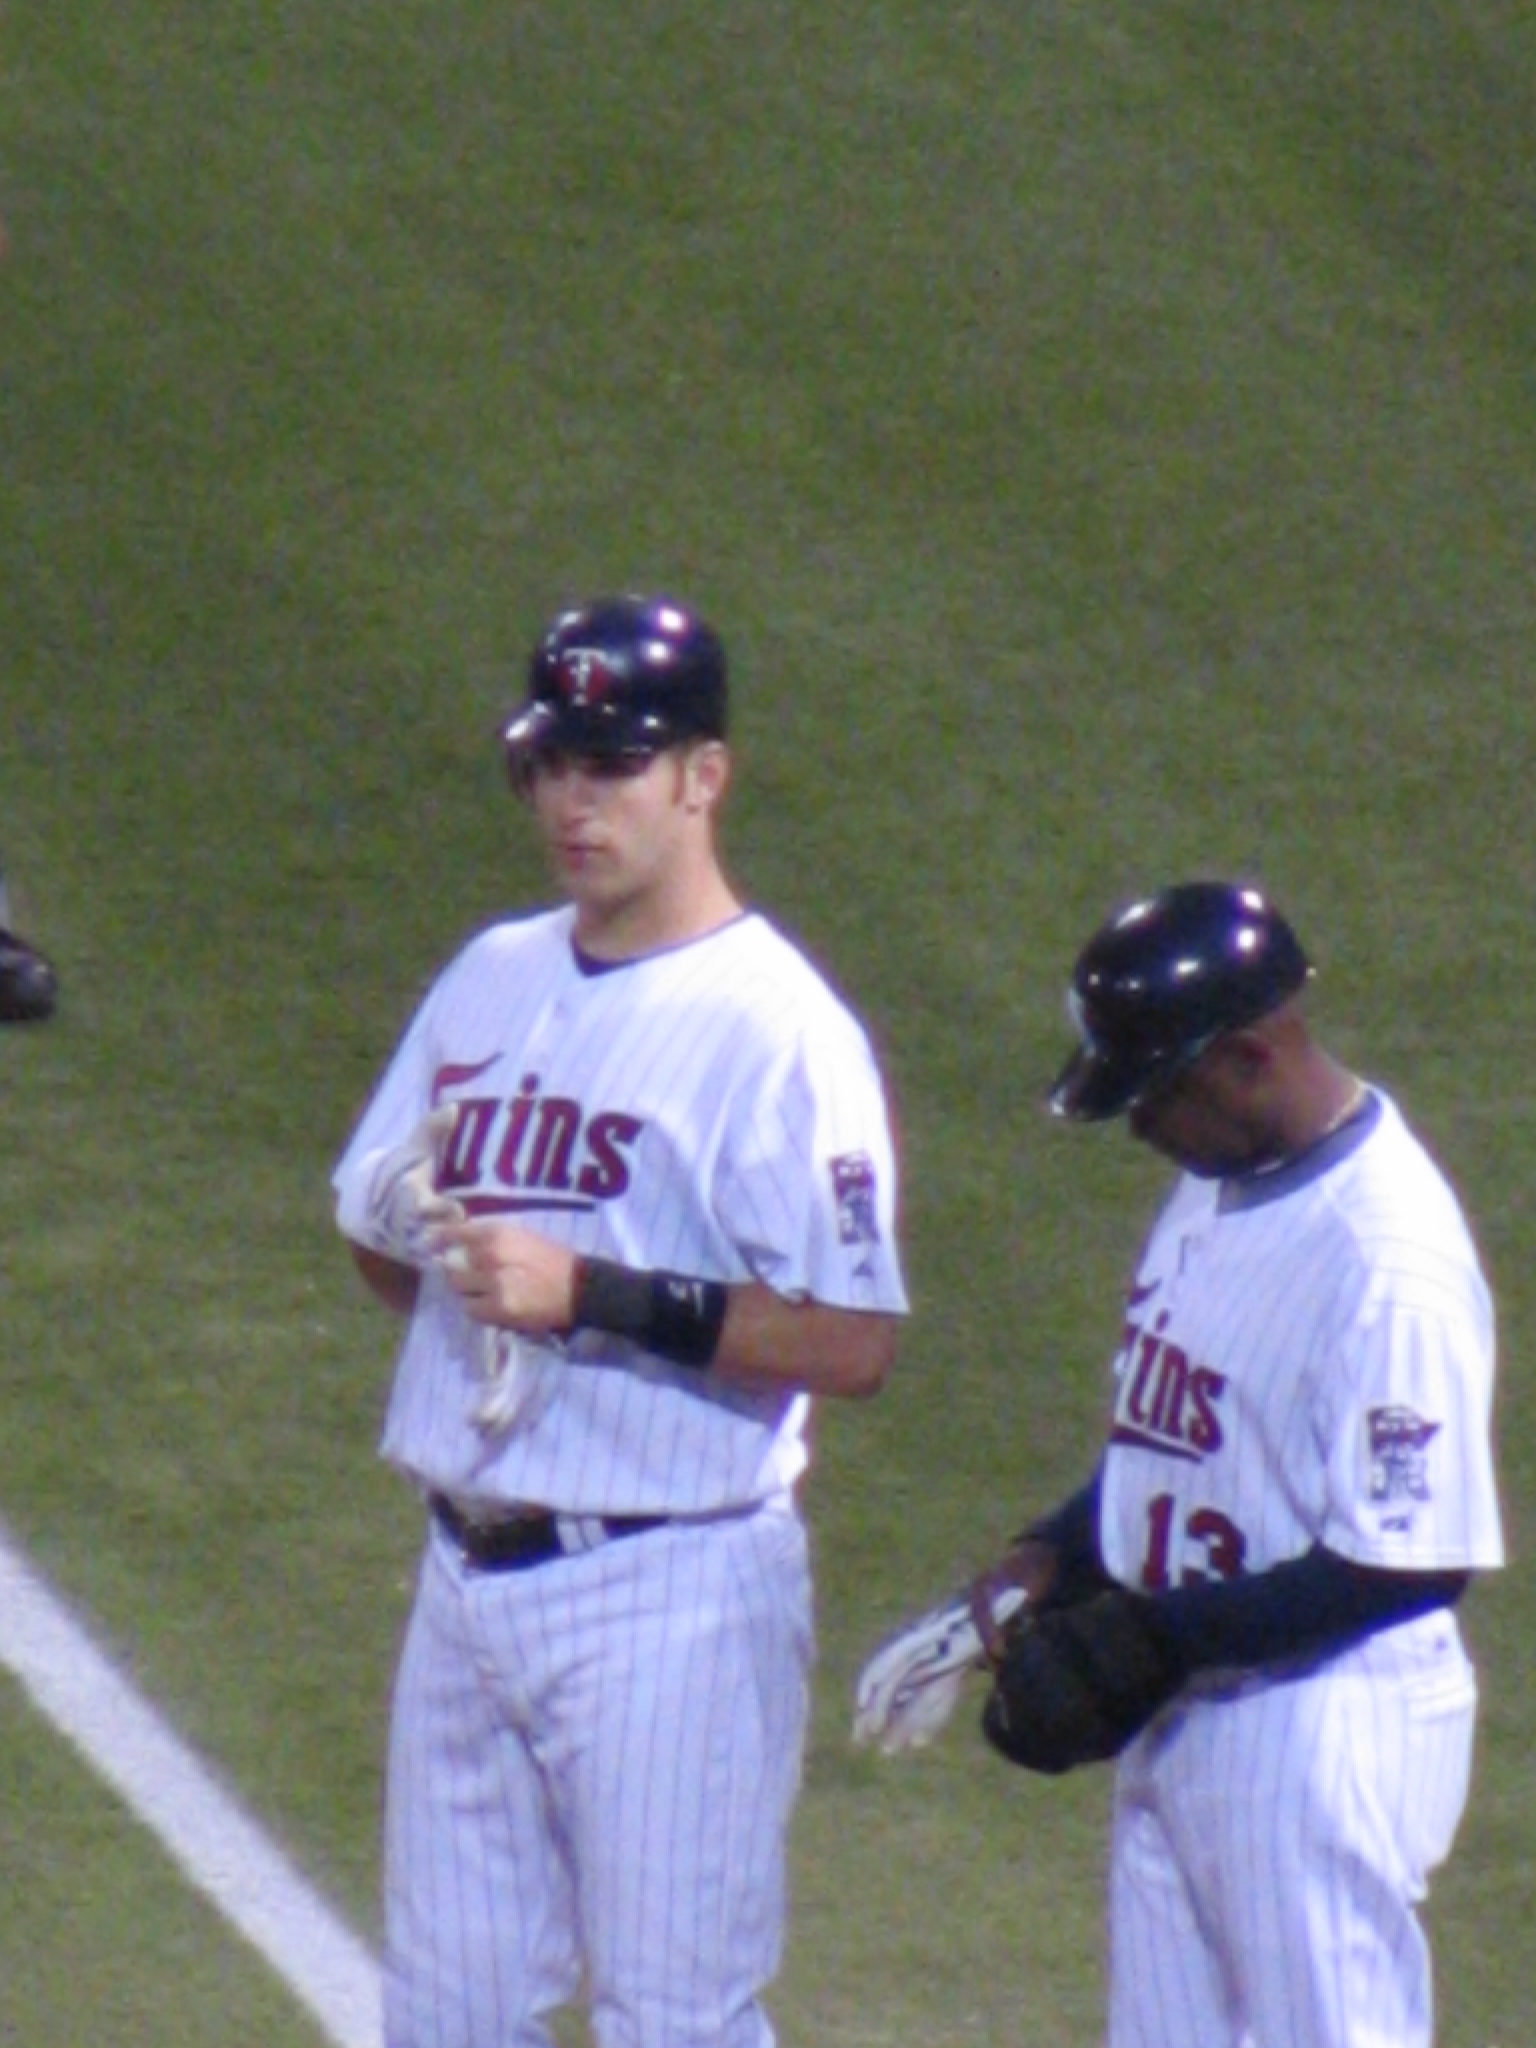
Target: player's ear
{"points": [[1246, 1056], [706, 772]]}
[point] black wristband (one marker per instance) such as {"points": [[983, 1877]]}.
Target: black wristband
{"points": [[671, 1314]]}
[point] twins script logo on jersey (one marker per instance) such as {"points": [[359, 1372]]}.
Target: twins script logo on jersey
{"points": [[1397, 1437], [1164, 1401], [535, 1151]]}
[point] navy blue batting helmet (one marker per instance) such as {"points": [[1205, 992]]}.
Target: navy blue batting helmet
{"points": [[619, 680], [1163, 980]]}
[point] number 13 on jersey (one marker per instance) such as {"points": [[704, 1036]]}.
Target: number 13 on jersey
{"points": [[1209, 1545]]}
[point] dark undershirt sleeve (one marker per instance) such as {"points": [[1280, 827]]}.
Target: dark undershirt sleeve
{"points": [[1072, 1530], [1310, 1604]]}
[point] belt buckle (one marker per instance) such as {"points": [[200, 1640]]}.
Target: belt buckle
{"points": [[472, 1528], [578, 1533]]}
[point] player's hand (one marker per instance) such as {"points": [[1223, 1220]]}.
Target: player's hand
{"points": [[508, 1277], [1078, 1683], [397, 1203], [1026, 1571], [910, 1687]]}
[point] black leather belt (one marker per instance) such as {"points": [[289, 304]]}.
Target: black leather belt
{"points": [[515, 1542]]}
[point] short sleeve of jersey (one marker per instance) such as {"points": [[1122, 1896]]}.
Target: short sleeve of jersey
{"points": [[806, 1180], [1411, 1483], [398, 1103]]}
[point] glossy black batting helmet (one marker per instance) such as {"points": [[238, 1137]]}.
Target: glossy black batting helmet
{"points": [[29, 986], [1162, 981], [619, 681]]}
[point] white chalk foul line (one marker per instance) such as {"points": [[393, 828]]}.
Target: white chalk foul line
{"points": [[216, 1843]]}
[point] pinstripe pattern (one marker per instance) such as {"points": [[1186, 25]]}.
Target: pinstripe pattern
{"points": [[609, 1743], [1270, 1849], [1307, 1362], [747, 1078], [593, 1761]]}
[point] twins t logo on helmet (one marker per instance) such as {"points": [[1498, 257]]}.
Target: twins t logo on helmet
{"points": [[586, 676]]}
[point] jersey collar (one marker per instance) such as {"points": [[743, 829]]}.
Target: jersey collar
{"points": [[1273, 1184], [591, 967]]}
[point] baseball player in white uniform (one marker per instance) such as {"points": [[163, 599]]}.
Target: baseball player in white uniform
{"points": [[630, 1176], [1297, 1484]]}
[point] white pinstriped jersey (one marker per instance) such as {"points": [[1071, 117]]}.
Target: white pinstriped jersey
{"points": [[712, 1109], [1308, 1357]]}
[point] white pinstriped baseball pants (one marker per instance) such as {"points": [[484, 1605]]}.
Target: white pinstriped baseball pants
{"points": [[591, 1772], [1269, 1851]]}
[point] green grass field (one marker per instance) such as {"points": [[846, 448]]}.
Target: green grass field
{"points": [[1107, 439]]}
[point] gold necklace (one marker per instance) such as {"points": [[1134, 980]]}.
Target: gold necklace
{"points": [[1352, 1104]]}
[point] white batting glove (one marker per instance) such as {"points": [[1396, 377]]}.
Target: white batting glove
{"points": [[912, 1684], [394, 1204], [515, 1378]]}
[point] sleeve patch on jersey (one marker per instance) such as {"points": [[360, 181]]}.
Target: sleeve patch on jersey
{"points": [[853, 1184], [1396, 1438]]}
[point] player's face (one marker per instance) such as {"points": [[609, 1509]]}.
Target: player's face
{"points": [[1212, 1119], [623, 835]]}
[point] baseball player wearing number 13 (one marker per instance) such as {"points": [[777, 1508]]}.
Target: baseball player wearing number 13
{"points": [[1251, 1603], [630, 1176]]}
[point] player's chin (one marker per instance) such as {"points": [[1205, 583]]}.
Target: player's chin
{"points": [[1203, 1165], [583, 872], [1145, 1129], [1221, 1165]]}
